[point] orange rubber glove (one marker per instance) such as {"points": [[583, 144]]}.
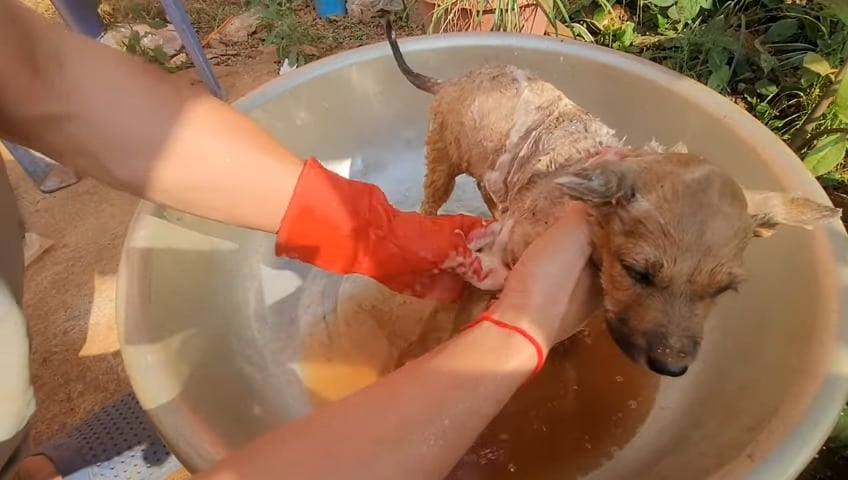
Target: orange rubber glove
{"points": [[347, 226]]}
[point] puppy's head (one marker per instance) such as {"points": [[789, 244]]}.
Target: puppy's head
{"points": [[669, 233]]}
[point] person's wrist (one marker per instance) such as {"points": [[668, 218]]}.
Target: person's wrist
{"points": [[520, 349], [526, 319]]}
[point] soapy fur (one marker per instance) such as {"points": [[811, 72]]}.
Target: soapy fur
{"points": [[669, 228]]}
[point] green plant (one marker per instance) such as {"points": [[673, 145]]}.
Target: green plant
{"points": [[782, 61], [830, 111], [283, 28], [772, 57], [506, 14], [134, 45], [839, 435], [449, 14], [827, 145], [672, 16]]}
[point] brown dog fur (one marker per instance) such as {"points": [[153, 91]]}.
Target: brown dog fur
{"points": [[669, 229]]}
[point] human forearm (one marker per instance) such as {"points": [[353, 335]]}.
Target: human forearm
{"points": [[132, 126], [416, 423]]}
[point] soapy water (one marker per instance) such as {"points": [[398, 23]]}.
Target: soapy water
{"points": [[582, 408]]}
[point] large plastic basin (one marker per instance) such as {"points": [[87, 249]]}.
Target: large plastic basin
{"points": [[218, 335]]}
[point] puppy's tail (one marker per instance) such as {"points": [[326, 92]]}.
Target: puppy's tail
{"points": [[421, 82]]}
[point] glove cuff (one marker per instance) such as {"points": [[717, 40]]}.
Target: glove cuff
{"points": [[328, 220]]}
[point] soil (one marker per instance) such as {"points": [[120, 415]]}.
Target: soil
{"points": [[829, 464]]}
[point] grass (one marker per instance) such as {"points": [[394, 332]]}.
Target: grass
{"points": [[206, 15], [774, 58], [300, 37]]}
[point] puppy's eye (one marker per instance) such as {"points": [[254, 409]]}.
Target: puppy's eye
{"points": [[725, 289], [638, 275]]}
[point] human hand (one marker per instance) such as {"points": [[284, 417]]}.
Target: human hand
{"points": [[439, 256], [347, 226], [539, 290]]}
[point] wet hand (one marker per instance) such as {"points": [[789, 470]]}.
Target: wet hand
{"points": [[540, 288]]}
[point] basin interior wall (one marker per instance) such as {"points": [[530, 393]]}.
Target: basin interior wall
{"points": [[210, 319]]}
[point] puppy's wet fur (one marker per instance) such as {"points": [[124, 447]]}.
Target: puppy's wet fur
{"points": [[669, 229]]}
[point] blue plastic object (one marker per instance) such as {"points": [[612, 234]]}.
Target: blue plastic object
{"points": [[81, 15], [176, 13], [330, 8]]}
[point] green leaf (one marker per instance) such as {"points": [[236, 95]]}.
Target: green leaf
{"points": [[663, 3], [816, 63], [160, 55], [719, 78], [581, 32], [808, 78], [688, 8], [716, 26], [626, 34], [839, 8], [767, 62], [826, 155], [599, 14], [766, 87], [662, 23], [717, 58], [839, 435], [674, 12], [781, 30], [841, 101]]}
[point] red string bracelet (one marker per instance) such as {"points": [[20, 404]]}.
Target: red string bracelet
{"points": [[487, 317]]}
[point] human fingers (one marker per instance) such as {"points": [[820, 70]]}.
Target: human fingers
{"points": [[538, 291], [557, 255]]}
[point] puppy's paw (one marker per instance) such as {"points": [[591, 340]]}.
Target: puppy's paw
{"points": [[481, 265], [484, 270], [491, 274], [483, 237]]}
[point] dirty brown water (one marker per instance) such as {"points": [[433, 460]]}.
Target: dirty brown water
{"points": [[586, 404]]}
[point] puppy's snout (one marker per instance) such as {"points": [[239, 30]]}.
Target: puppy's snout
{"points": [[663, 367], [670, 356]]}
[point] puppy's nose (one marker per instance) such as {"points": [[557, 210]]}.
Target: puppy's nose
{"points": [[663, 367]]}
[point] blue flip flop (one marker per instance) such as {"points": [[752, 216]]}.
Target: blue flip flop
{"points": [[117, 442]]}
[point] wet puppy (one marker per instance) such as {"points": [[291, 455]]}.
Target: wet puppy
{"points": [[669, 229]]}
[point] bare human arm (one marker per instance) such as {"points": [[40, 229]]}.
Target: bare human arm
{"points": [[132, 126], [417, 422], [128, 124]]}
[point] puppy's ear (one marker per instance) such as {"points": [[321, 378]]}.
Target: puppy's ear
{"points": [[768, 210], [608, 183]]}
